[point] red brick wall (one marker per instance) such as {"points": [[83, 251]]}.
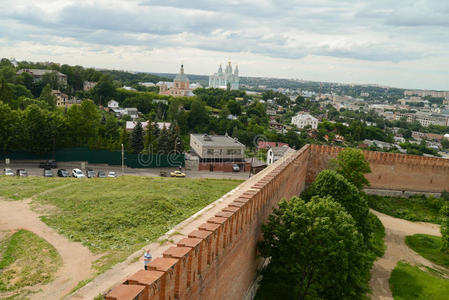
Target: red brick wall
{"points": [[391, 171], [219, 260]]}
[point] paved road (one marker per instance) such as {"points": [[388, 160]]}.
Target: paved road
{"points": [[34, 170]]}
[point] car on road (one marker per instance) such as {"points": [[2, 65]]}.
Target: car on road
{"points": [[48, 173], [177, 174], [235, 168], [163, 174], [63, 173], [21, 172], [112, 174], [77, 173], [90, 173], [8, 172], [101, 174], [49, 164]]}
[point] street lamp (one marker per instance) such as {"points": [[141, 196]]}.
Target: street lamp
{"points": [[123, 161]]}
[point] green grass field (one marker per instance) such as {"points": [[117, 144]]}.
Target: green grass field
{"points": [[26, 260], [415, 208], [428, 246], [117, 216], [410, 283]]}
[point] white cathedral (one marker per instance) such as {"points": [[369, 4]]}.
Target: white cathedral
{"points": [[223, 80]]}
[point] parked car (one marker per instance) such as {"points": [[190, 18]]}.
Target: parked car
{"points": [[77, 173], [63, 173], [90, 173], [163, 174], [48, 173], [101, 174], [49, 164], [8, 172], [112, 174], [235, 168], [21, 172], [177, 174]]}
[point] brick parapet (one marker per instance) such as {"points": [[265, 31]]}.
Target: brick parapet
{"points": [[219, 259]]}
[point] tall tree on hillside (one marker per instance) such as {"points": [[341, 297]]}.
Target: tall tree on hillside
{"points": [[164, 143], [6, 93], [445, 228], [316, 252], [150, 140], [137, 138], [353, 166], [48, 97], [125, 139], [329, 183]]}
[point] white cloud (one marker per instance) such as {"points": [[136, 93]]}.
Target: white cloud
{"points": [[282, 38]]}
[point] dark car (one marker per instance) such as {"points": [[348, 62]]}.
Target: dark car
{"points": [[48, 173], [63, 173], [163, 174], [21, 172], [90, 173], [101, 174], [49, 164]]}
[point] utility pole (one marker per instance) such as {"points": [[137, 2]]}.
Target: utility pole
{"points": [[123, 161]]}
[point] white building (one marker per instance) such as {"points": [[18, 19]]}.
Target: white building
{"points": [[113, 104], [301, 120], [275, 153], [223, 80], [211, 148]]}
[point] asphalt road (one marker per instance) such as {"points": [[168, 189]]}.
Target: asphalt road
{"points": [[33, 170]]}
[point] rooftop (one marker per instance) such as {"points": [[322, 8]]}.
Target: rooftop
{"points": [[217, 140]]}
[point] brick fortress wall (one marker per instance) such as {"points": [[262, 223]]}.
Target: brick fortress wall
{"points": [[390, 171], [219, 259]]}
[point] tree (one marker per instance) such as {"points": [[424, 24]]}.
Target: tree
{"points": [[329, 183], [6, 94], [125, 140], [315, 251], [445, 228], [445, 143], [352, 165], [48, 97], [163, 142], [137, 138]]}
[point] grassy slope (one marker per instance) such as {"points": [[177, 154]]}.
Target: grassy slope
{"points": [[117, 216], [409, 282], [18, 188], [428, 246], [26, 260], [416, 208]]}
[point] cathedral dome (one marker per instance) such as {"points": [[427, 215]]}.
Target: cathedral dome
{"points": [[181, 76]]}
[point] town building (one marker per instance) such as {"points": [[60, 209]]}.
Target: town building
{"points": [[38, 74], [218, 152], [88, 85], [424, 93], [302, 120], [178, 88], [63, 100], [276, 153], [226, 79]]}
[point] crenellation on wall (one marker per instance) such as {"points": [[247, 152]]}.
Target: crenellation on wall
{"points": [[219, 260]]}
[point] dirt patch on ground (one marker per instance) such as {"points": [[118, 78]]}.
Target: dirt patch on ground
{"points": [[76, 258], [395, 232]]}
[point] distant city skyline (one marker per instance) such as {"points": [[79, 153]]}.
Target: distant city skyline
{"points": [[400, 44]]}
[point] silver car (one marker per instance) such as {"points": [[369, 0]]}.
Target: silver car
{"points": [[8, 172]]}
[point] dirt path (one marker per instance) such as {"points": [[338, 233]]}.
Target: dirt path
{"points": [[76, 258], [395, 232]]}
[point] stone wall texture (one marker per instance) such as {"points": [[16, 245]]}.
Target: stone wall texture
{"points": [[219, 259]]}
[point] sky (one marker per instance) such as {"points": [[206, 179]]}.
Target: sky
{"points": [[400, 43]]}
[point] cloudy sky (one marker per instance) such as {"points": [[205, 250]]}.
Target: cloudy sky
{"points": [[403, 43]]}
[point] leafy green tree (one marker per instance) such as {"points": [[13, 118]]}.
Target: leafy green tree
{"points": [[445, 143], [315, 252], [48, 97], [445, 228], [52, 79], [9, 122], [125, 140], [352, 165], [198, 116], [104, 90], [137, 138], [6, 93], [164, 143], [329, 183]]}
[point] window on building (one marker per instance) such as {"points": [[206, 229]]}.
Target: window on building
{"points": [[210, 151], [233, 151]]}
